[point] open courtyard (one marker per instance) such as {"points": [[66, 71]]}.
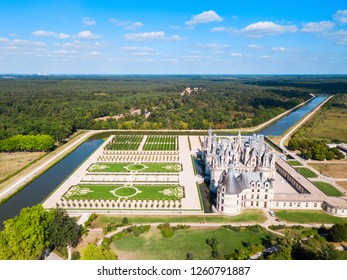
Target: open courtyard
{"points": [[148, 173]]}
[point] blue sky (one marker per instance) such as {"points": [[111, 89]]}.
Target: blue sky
{"points": [[173, 37]]}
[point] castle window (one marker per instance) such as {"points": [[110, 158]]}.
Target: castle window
{"points": [[277, 203], [253, 190], [315, 204], [252, 196], [266, 190], [222, 201], [257, 203], [284, 204], [290, 204], [258, 196], [306, 204], [298, 204], [222, 194], [266, 196], [222, 209], [258, 190], [251, 203]]}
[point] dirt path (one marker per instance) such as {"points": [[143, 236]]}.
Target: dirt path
{"points": [[14, 183]]}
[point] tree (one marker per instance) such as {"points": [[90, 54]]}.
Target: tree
{"points": [[189, 256], [25, 236], [94, 252], [338, 232], [63, 230]]}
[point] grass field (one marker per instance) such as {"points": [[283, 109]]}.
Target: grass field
{"points": [[343, 184], [10, 163], [309, 216], [256, 216], [334, 170], [294, 163], [143, 167], [306, 172], [161, 143], [328, 189], [153, 246], [329, 124], [120, 191], [124, 142]]}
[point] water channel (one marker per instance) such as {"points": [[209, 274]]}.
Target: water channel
{"points": [[40, 188]]}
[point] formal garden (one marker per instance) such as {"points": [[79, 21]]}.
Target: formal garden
{"points": [[125, 196], [161, 143], [120, 167], [124, 142]]}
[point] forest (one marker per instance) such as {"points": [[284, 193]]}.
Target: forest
{"points": [[60, 105]]}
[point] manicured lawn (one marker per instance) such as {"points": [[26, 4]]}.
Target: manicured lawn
{"points": [[306, 172], [256, 216], [161, 143], [152, 246], [124, 142], [309, 216], [294, 163], [328, 189], [120, 191], [334, 170], [139, 167]]}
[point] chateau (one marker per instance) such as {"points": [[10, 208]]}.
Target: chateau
{"points": [[242, 172]]}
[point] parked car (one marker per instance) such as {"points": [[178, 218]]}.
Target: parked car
{"points": [[272, 214]]}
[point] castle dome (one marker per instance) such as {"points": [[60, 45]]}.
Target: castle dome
{"points": [[232, 186]]}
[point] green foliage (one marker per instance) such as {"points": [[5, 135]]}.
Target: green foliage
{"points": [[75, 255], [91, 218], [166, 230], [58, 106], [25, 236], [63, 230], [94, 252], [315, 149], [338, 232], [27, 143], [125, 221]]}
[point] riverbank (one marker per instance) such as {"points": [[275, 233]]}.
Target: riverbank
{"points": [[14, 184]]}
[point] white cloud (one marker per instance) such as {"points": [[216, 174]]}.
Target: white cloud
{"points": [[236, 54], [28, 43], [81, 45], [43, 33], [317, 26], [279, 49], [65, 52], [126, 24], [159, 35], [265, 56], [63, 36], [86, 34], [136, 48], [88, 21], [94, 53], [254, 46], [340, 37], [218, 29], [341, 16], [204, 17], [264, 28], [213, 46], [4, 40]]}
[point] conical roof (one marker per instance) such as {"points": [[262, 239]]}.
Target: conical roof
{"points": [[232, 186]]}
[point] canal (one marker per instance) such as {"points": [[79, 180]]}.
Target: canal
{"points": [[40, 188]]}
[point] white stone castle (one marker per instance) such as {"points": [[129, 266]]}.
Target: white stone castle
{"points": [[242, 172]]}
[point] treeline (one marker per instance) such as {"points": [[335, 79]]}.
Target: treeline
{"points": [[34, 230], [58, 106], [314, 149], [27, 143]]}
